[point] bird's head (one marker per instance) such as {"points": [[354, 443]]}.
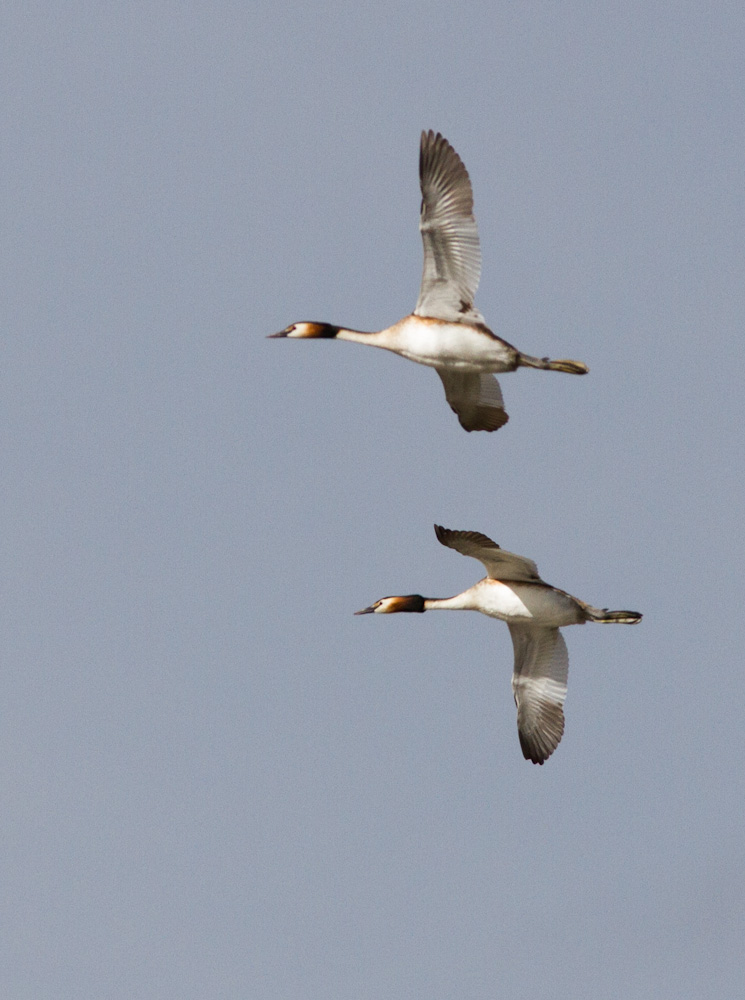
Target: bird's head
{"points": [[391, 605], [305, 331]]}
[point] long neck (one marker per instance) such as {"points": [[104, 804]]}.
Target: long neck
{"points": [[375, 338], [461, 602]]}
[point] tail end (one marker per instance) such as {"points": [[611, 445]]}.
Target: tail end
{"points": [[570, 367], [547, 365], [605, 617]]}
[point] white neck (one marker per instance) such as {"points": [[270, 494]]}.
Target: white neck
{"points": [[461, 602], [375, 338]]}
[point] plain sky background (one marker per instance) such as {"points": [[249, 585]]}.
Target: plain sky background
{"points": [[216, 782]]}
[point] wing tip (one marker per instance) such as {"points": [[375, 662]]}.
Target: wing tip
{"points": [[432, 145], [430, 137], [531, 753], [487, 419], [538, 751]]}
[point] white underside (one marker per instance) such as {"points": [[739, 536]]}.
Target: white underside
{"points": [[520, 602], [455, 346]]}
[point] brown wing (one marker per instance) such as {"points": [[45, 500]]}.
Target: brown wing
{"points": [[499, 564], [475, 398]]}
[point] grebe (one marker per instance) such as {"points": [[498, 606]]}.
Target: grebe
{"points": [[534, 611], [446, 331]]}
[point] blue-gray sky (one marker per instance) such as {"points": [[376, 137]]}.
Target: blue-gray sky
{"points": [[216, 781]]}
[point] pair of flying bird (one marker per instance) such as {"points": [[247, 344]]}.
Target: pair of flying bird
{"points": [[448, 333]]}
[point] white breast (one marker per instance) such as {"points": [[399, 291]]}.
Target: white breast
{"points": [[526, 602], [450, 345]]}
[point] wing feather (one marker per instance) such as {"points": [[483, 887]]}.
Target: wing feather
{"points": [[539, 685], [476, 399], [499, 564], [452, 254]]}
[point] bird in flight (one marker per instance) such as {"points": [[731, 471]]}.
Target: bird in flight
{"points": [[513, 591], [446, 331]]}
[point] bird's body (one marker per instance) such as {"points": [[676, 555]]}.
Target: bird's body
{"points": [[446, 331], [438, 343], [513, 592], [527, 603]]}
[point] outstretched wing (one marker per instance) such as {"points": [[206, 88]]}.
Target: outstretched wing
{"points": [[452, 255], [499, 564], [476, 398], [539, 684]]}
